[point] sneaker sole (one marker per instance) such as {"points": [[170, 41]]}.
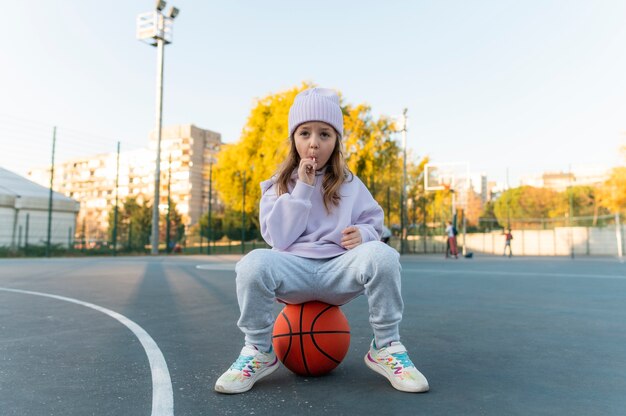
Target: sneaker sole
{"points": [[377, 368], [261, 374]]}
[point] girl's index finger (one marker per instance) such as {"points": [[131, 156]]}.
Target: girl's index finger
{"points": [[349, 229]]}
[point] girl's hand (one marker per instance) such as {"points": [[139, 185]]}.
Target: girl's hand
{"points": [[306, 170], [351, 237]]}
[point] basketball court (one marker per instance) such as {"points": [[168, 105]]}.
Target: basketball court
{"points": [[143, 335]]}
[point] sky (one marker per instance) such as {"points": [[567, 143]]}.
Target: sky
{"points": [[504, 85]]}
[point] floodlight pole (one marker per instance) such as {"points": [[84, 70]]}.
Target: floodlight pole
{"points": [[570, 213], [159, 123], [157, 27], [50, 195], [618, 236], [403, 235]]}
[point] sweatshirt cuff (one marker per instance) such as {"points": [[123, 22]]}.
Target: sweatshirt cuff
{"points": [[366, 234], [302, 191]]}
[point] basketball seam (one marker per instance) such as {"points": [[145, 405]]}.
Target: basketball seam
{"points": [[288, 346], [306, 367], [309, 333], [312, 332]]}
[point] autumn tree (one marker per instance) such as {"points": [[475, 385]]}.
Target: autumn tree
{"points": [[371, 151], [488, 219], [612, 193], [526, 202], [473, 210], [257, 155]]}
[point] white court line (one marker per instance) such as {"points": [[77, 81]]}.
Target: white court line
{"points": [[162, 395], [498, 273], [217, 266], [231, 267]]}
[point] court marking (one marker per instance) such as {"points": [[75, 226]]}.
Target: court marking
{"points": [[218, 266], [162, 394], [509, 273], [231, 267]]}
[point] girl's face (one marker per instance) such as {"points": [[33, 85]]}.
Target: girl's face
{"points": [[315, 139]]}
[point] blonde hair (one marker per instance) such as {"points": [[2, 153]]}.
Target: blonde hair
{"points": [[336, 173]]}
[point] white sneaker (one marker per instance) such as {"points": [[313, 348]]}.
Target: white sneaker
{"points": [[251, 366], [394, 363]]}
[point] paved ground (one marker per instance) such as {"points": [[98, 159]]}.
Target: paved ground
{"points": [[494, 336]]}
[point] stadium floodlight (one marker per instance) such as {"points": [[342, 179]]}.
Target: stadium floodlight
{"points": [[156, 29], [173, 12]]}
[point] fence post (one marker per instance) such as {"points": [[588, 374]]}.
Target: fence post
{"points": [[49, 236], [84, 237], [14, 228], [484, 242], [26, 233], [130, 236], [69, 238], [618, 235]]}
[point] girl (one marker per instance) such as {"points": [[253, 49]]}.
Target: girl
{"points": [[324, 228]]}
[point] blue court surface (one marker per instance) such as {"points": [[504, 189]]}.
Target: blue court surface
{"points": [[150, 335]]}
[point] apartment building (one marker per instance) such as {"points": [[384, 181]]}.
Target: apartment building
{"points": [[187, 153], [560, 181]]}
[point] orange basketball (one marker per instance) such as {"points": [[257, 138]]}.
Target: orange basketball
{"points": [[311, 338]]}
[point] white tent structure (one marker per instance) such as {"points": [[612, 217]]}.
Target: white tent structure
{"points": [[24, 213]]}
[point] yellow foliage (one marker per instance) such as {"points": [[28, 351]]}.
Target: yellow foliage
{"points": [[369, 144], [257, 155], [612, 194]]}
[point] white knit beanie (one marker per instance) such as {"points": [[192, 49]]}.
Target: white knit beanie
{"points": [[316, 104]]}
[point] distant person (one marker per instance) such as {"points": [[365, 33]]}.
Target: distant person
{"points": [[451, 247], [324, 227], [507, 242]]}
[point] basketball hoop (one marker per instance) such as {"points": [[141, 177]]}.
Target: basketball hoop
{"points": [[454, 178]]}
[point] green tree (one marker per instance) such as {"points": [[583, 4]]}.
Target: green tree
{"points": [[217, 226], [232, 226], [488, 219], [134, 224], [177, 228]]}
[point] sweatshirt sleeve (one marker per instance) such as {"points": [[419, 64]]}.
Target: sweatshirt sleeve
{"points": [[370, 219], [283, 219]]}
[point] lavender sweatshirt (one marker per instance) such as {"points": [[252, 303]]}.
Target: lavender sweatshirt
{"points": [[297, 221]]}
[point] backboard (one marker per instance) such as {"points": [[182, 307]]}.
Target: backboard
{"points": [[448, 176]]}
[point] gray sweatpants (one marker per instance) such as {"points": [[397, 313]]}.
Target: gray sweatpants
{"points": [[373, 268]]}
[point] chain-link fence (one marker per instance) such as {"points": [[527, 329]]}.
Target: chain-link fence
{"points": [[30, 239], [577, 236]]}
